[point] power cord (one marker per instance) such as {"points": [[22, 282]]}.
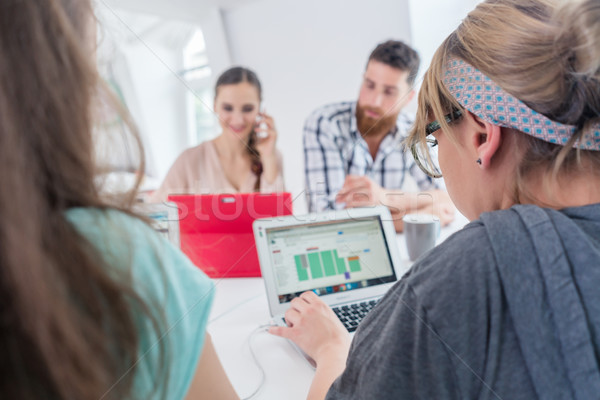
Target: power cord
{"points": [[262, 328]]}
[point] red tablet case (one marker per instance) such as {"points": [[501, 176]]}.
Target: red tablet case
{"points": [[216, 229]]}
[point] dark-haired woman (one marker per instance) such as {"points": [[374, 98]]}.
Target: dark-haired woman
{"points": [[243, 157]]}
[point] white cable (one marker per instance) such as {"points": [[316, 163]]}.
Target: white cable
{"points": [[261, 328]]}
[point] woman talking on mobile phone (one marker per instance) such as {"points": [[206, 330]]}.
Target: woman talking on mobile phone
{"points": [[243, 158]]}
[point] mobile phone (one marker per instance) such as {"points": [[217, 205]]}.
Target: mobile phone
{"points": [[262, 134]]}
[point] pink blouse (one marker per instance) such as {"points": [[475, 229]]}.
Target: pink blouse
{"points": [[198, 170]]}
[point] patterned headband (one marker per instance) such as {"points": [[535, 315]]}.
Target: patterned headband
{"points": [[484, 98]]}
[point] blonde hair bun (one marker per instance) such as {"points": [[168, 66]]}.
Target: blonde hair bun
{"points": [[578, 44]]}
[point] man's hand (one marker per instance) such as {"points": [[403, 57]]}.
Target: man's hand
{"points": [[361, 191], [436, 202]]}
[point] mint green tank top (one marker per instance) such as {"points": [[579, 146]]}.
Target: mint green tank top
{"points": [[169, 283]]}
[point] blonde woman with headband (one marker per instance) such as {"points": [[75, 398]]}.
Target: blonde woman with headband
{"points": [[506, 308]]}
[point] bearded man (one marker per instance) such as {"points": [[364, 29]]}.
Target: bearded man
{"points": [[354, 151]]}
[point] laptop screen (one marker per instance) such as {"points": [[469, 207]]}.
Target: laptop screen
{"points": [[160, 223], [163, 218], [329, 257]]}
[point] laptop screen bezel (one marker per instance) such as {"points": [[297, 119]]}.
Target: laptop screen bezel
{"points": [[389, 233], [170, 208]]}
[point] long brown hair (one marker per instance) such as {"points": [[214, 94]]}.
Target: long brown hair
{"points": [[68, 328], [544, 52], [234, 76]]}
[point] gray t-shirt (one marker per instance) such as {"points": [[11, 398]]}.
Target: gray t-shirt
{"points": [[448, 331]]}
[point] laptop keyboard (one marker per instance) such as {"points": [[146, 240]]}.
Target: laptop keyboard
{"points": [[352, 314]]}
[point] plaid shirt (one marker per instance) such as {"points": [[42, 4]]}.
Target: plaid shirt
{"points": [[333, 148]]}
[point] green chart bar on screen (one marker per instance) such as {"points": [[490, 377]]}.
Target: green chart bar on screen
{"points": [[324, 264], [354, 263], [301, 267], [316, 268]]}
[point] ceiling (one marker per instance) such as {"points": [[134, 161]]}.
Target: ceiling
{"points": [[180, 9]]}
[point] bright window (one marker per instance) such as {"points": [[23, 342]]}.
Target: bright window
{"points": [[197, 74]]}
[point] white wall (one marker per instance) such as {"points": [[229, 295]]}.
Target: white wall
{"points": [[432, 21], [217, 44], [309, 53]]}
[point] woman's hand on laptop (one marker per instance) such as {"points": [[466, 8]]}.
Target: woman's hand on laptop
{"points": [[314, 327]]}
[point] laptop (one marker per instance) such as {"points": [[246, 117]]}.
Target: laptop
{"points": [[164, 219], [216, 229], [350, 258]]}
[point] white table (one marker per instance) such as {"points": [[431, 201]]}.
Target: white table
{"points": [[239, 308]]}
